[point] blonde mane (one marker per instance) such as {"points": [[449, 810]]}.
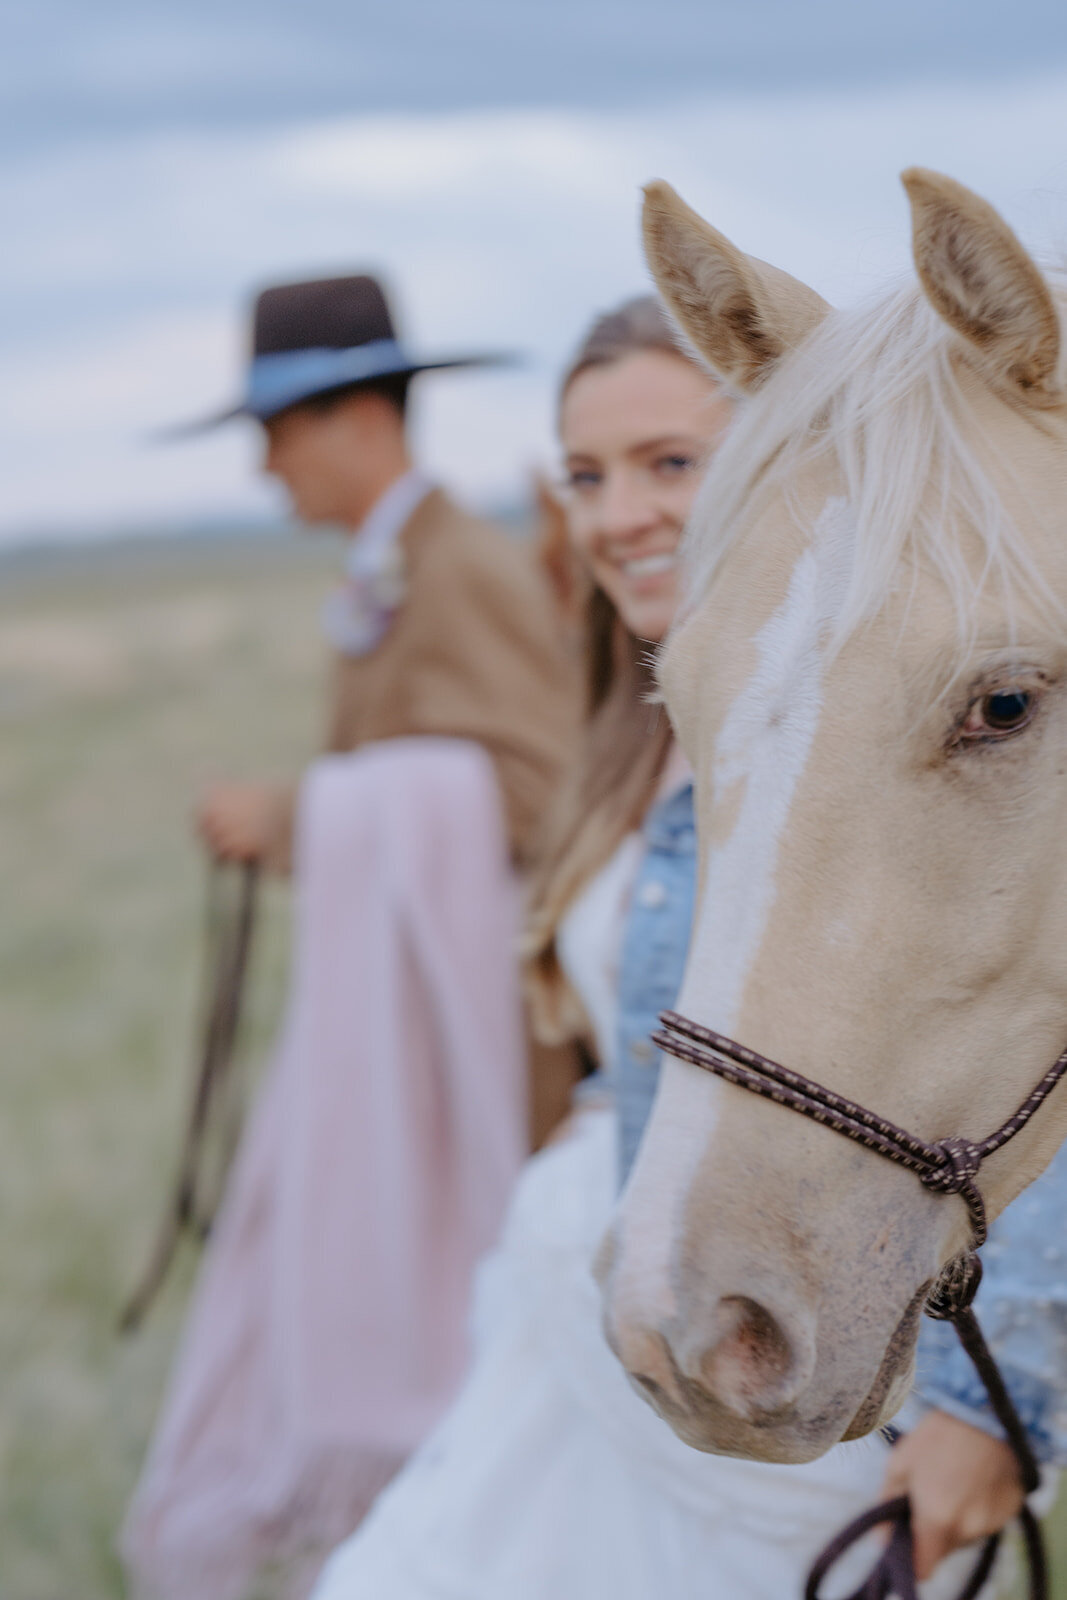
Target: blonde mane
{"points": [[878, 393]]}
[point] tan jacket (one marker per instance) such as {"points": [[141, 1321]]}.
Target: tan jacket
{"points": [[475, 652]]}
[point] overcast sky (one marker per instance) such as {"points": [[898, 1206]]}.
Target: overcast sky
{"points": [[158, 161]]}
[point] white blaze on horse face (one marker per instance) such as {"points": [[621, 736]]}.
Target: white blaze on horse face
{"points": [[764, 744]]}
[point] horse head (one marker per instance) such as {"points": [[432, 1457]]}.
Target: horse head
{"points": [[869, 678]]}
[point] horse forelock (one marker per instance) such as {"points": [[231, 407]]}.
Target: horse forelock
{"points": [[880, 402]]}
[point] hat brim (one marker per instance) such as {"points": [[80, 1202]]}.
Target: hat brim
{"points": [[265, 406]]}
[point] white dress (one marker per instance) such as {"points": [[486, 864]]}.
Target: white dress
{"points": [[549, 1478]]}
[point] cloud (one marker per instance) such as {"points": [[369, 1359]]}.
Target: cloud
{"points": [[75, 449], [497, 229]]}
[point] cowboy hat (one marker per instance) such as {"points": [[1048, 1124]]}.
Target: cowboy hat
{"points": [[326, 334]]}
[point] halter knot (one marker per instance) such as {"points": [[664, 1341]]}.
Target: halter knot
{"points": [[955, 1288], [959, 1168]]}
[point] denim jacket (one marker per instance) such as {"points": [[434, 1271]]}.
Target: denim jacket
{"points": [[651, 959], [1022, 1303]]}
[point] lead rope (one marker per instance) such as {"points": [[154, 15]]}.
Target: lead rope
{"points": [[947, 1166], [230, 925]]}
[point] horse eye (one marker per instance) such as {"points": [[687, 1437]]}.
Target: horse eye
{"points": [[1006, 711]]}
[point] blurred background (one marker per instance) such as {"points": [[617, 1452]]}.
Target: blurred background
{"points": [[158, 623]]}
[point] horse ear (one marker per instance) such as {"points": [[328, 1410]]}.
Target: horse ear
{"points": [[740, 314], [978, 277]]}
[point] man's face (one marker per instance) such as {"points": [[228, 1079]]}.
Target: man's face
{"points": [[319, 456]]}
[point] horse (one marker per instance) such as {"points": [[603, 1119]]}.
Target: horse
{"points": [[869, 678]]}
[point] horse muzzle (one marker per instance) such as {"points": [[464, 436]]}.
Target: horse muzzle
{"points": [[743, 1358], [733, 1382]]}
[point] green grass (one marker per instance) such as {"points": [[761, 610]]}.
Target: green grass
{"points": [[123, 689], [126, 682]]}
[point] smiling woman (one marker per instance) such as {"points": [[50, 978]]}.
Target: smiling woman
{"points": [[638, 422], [638, 429]]}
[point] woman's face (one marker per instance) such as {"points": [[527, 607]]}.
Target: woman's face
{"points": [[636, 434]]}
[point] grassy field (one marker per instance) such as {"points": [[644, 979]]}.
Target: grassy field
{"points": [[127, 680]]}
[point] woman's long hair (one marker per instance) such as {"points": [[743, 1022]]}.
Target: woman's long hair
{"points": [[627, 736]]}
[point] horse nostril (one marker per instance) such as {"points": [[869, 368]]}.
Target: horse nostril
{"points": [[754, 1366]]}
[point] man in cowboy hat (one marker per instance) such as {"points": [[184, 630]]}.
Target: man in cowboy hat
{"points": [[444, 626]]}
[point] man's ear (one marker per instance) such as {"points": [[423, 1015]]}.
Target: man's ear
{"points": [[740, 314], [978, 277]]}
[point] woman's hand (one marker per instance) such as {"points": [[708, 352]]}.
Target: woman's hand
{"points": [[962, 1483]]}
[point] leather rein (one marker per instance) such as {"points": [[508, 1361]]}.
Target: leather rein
{"points": [[946, 1166]]}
